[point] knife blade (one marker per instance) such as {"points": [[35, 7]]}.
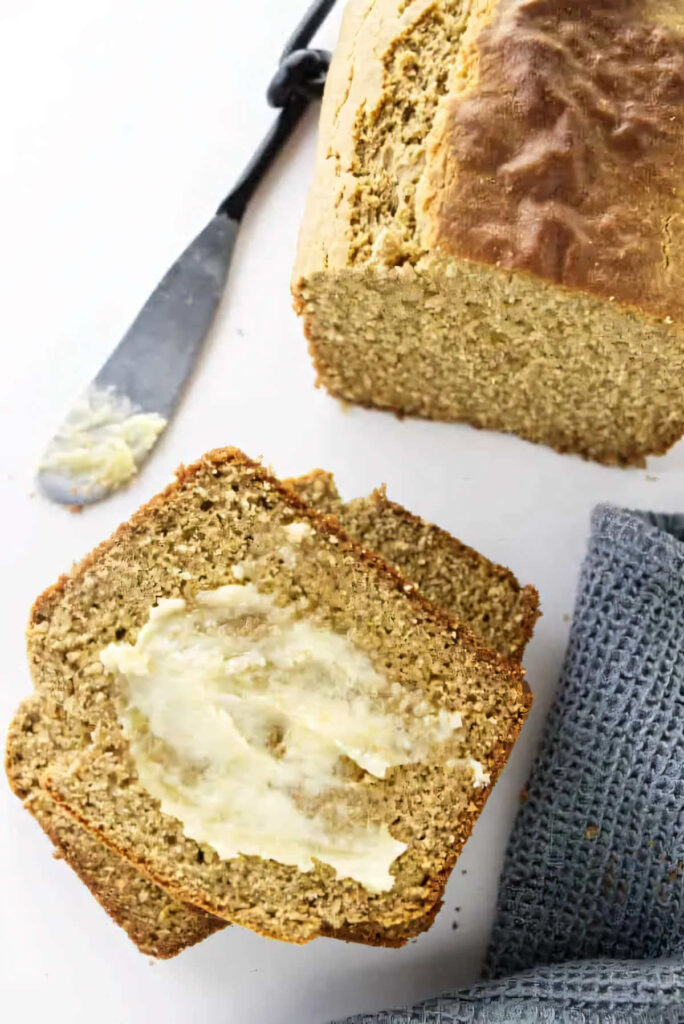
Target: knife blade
{"points": [[111, 430]]}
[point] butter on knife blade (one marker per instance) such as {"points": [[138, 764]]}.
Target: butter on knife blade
{"points": [[113, 427], [101, 443]]}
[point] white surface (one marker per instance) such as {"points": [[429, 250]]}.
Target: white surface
{"points": [[124, 122]]}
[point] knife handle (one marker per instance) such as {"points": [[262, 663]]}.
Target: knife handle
{"points": [[307, 27], [298, 80]]}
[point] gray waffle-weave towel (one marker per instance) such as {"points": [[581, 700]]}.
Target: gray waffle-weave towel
{"points": [[590, 918]]}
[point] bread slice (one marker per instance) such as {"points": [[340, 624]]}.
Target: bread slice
{"points": [[480, 593], [447, 571], [159, 925], [225, 512], [495, 229]]}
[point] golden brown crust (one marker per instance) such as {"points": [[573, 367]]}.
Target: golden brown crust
{"points": [[183, 927], [529, 596], [565, 155]]}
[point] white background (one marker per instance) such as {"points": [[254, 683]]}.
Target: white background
{"points": [[123, 123]]}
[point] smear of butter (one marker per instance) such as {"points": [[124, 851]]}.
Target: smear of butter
{"points": [[237, 712], [481, 777], [103, 441], [297, 531]]}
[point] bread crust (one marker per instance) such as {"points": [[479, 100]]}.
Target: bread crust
{"points": [[563, 122], [562, 154], [522, 602]]}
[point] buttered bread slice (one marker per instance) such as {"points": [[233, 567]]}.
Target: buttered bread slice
{"points": [[281, 730], [486, 596]]}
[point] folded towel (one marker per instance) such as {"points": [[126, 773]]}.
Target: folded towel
{"points": [[590, 918]]}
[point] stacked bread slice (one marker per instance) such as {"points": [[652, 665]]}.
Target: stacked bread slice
{"points": [[437, 629]]}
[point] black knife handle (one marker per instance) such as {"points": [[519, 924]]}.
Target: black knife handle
{"points": [[298, 80], [235, 203], [307, 27]]}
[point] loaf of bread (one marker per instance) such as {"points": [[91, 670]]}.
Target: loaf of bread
{"points": [[389, 820], [495, 232]]}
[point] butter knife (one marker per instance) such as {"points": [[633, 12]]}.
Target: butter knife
{"points": [[113, 427]]}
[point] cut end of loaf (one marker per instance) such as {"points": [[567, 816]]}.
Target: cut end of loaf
{"points": [[501, 351]]}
